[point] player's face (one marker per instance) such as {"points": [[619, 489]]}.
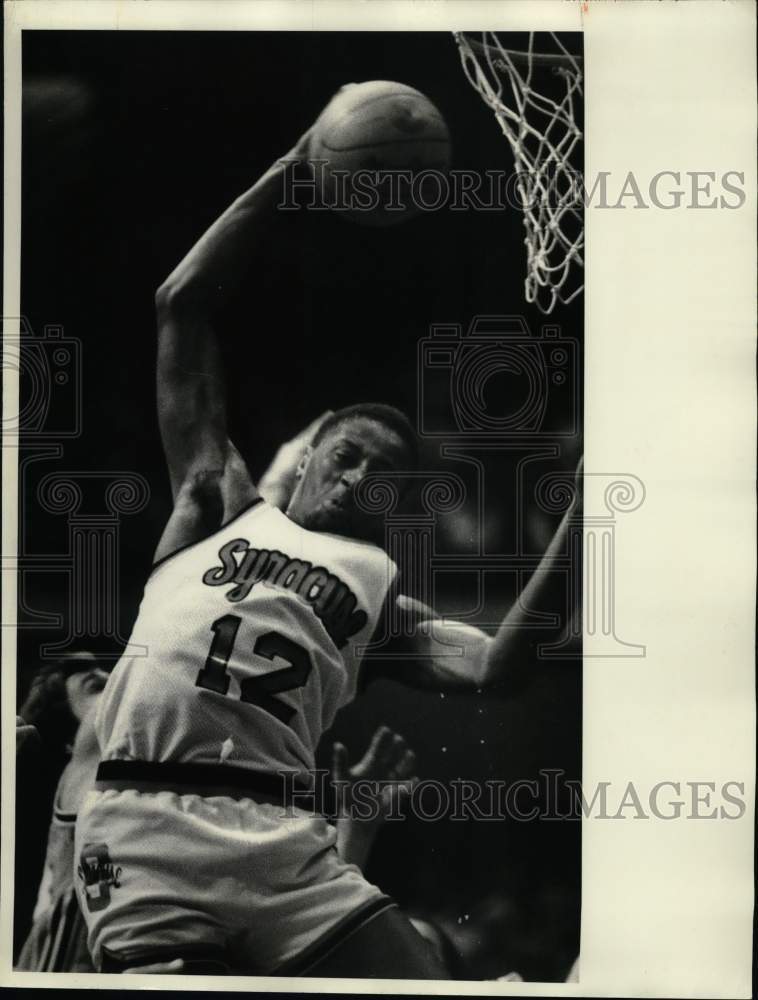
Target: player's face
{"points": [[83, 689], [324, 499]]}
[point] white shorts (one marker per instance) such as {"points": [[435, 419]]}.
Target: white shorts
{"points": [[158, 870]]}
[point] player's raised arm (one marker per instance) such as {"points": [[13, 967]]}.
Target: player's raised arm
{"points": [[191, 391], [455, 656]]}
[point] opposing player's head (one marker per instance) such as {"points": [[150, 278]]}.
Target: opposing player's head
{"points": [[63, 693], [85, 677], [349, 445]]}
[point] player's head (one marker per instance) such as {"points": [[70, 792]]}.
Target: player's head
{"points": [[349, 445], [63, 693], [85, 677]]}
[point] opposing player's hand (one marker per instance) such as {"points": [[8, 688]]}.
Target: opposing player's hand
{"points": [[389, 765], [278, 481], [26, 735], [47, 699], [578, 502], [415, 612]]}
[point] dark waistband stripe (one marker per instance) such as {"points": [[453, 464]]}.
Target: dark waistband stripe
{"points": [[204, 779]]}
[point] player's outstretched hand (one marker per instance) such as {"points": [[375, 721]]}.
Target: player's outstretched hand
{"points": [[278, 481], [302, 147], [297, 155], [578, 503], [387, 773]]}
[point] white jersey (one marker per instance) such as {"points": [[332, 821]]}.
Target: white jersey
{"points": [[57, 941], [252, 642]]}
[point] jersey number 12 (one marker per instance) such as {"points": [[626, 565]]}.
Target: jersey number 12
{"points": [[258, 691]]}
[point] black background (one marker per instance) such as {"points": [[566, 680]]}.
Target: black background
{"points": [[133, 142]]}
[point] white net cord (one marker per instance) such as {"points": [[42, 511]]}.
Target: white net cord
{"points": [[544, 135]]}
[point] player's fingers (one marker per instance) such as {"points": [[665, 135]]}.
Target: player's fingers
{"points": [[415, 610], [579, 476], [302, 145], [381, 744], [407, 785], [339, 761], [388, 750], [406, 766], [396, 752], [400, 791], [26, 735]]}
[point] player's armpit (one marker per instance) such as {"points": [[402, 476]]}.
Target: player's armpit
{"points": [[198, 510], [237, 487], [207, 499]]}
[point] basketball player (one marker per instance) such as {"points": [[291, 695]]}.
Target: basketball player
{"points": [[57, 940], [254, 619]]}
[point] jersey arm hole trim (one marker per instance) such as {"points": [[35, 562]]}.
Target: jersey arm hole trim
{"points": [[64, 817], [198, 541]]}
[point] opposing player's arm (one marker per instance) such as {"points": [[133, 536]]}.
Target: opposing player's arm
{"points": [[278, 482], [450, 656], [367, 793]]}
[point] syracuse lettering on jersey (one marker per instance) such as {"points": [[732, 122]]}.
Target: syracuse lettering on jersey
{"points": [[331, 600]]}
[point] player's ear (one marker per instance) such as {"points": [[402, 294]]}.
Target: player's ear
{"points": [[302, 465]]}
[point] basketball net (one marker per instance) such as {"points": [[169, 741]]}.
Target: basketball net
{"points": [[543, 134]]}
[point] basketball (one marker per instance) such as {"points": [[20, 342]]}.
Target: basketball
{"points": [[367, 131]]}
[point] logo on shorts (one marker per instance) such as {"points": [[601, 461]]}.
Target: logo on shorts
{"points": [[98, 875]]}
